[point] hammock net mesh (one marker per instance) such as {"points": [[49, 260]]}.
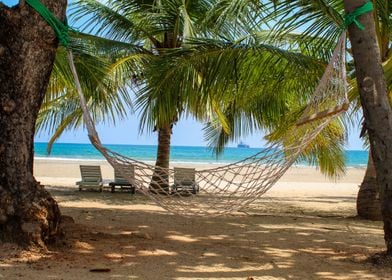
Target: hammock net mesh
{"points": [[232, 187]]}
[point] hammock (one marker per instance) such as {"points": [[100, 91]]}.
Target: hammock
{"points": [[230, 188]]}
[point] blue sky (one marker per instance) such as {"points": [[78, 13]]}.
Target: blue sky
{"points": [[10, 2], [185, 133]]}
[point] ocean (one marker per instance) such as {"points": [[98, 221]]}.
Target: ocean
{"points": [[179, 154]]}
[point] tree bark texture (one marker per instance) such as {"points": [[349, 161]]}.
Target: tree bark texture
{"points": [[368, 199], [376, 108], [160, 179], [28, 214]]}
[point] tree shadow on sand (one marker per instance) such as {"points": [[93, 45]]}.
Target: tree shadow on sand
{"points": [[145, 244]]}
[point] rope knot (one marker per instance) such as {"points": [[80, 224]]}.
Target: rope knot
{"points": [[59, 28], [352, 17]]}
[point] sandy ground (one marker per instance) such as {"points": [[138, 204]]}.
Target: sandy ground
{"points": [[303, 228]]}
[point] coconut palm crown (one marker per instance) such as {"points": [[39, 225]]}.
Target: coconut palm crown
{"points": [[197, 58]]}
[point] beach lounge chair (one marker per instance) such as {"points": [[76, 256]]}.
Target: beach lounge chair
{"points": [[124, 183], [91, 177], [184, 180]]}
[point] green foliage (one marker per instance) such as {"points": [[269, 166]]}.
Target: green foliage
{"points": [[326, 150], [200, 56], [106, 95], [318, 21], [213, 60]]}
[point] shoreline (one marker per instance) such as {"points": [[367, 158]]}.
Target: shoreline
{"points": [[296, 181], [182, 155], [174, 162]]}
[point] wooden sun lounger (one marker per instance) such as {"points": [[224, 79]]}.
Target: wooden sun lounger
{"points": [[184, 180], [91, 177], [123, 182]]}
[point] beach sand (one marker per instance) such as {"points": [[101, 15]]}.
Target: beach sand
{"points": [[303, 228]]}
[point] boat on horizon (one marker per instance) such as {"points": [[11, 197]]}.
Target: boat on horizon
{"points": [[242, 145]]}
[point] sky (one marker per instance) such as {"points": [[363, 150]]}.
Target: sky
{"points": [[185, 133]]}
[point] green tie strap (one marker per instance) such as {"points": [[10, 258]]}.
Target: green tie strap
{"points": [[59, 28], [350, 18]]}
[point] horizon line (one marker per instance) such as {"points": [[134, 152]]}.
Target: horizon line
{"points": [[155, 145]]}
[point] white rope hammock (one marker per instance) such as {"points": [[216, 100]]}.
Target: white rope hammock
{"points": [[232, 187]]}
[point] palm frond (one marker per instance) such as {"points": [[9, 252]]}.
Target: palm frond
{"points": [[108, 99]]}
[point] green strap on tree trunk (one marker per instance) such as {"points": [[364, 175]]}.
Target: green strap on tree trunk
{"points": [[60, 29], [352, 17]]}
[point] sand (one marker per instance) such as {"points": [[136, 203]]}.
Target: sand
{"points": [[305, 227]]}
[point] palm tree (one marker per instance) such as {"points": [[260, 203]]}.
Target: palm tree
{"points": [[377, 111], [368, 200], [155, 26], [321, 19], [217, 81], [185, 47]]}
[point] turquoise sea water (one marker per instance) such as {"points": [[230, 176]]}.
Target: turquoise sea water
{"points": [[178, 153]]}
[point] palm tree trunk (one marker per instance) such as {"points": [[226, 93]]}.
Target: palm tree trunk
{"points": [[368, 199], [376, 108], [160, 178], [28, 213]]}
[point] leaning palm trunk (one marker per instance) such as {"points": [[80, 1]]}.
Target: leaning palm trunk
{"points": [[160, 178], [377, 110], [368, 199]]}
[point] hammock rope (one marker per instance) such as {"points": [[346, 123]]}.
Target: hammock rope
{"points": [[229, 188]]}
